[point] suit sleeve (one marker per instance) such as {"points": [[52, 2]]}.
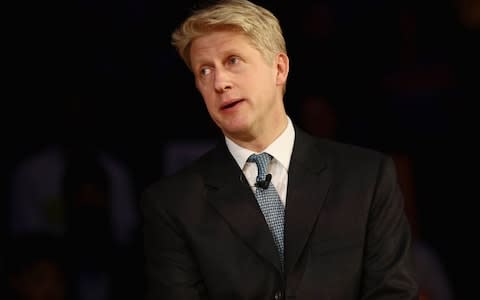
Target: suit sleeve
{"points": [[171, 270], [388, 271]]}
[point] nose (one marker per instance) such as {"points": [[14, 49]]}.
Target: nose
{"points": [[222, 81]]}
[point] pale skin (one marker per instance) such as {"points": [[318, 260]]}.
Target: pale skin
{"points": [[242, 91]]}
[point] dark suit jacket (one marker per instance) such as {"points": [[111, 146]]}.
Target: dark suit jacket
{"points": [[346, 236]]}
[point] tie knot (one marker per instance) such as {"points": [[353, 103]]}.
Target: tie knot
{"points": [[261, 160]]}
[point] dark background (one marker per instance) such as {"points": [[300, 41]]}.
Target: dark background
{"points": [[402, 76]]}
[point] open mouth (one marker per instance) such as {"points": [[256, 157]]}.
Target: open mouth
{"points": [[232, 104]]}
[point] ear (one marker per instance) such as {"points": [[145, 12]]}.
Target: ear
{"points": [[282, 64]]}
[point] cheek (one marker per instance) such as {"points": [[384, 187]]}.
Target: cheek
{"points": [[263, 80], [263, 85]]}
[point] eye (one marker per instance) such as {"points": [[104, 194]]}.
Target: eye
{"points": [[233, 60], [204, 71]]}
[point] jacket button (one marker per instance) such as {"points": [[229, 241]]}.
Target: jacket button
{"points": [[278, 295]]}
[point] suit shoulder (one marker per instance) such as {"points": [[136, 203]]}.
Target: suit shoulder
{"points": [[173, 193], [347, 156], [334, 147], [351, 150]]}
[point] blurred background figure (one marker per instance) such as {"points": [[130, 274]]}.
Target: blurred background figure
{"points": [[35, 268], [318, 116], [469, 13], [36, 200], [88, 232], [73, 189], [433, 279]]}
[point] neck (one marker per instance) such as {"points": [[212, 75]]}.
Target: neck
{"points": [[262, 138]]}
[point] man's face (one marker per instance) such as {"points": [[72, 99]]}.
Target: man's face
{"points": [[241, 90]]}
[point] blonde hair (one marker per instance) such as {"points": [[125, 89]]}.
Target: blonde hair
{"points": [[257, 23]]}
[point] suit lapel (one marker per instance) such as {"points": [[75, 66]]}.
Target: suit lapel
{"points": [[235, 201], [308, 185]]}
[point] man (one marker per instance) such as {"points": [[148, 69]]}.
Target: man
{"points": [[307, 219]]}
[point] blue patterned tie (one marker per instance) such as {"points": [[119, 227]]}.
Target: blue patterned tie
{"points": [[269, 200]]}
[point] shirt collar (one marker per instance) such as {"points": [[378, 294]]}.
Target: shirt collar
{"points": [[281, 148]]}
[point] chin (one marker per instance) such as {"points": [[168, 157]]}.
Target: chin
{"points": [[234, 125]]}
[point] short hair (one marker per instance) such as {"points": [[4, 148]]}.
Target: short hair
{"points": [[257, 23]]}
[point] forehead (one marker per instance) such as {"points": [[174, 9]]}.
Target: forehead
{"points": [[218, 43]]}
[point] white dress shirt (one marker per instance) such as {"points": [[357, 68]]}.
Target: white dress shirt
{"points": [[281, 150]]}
